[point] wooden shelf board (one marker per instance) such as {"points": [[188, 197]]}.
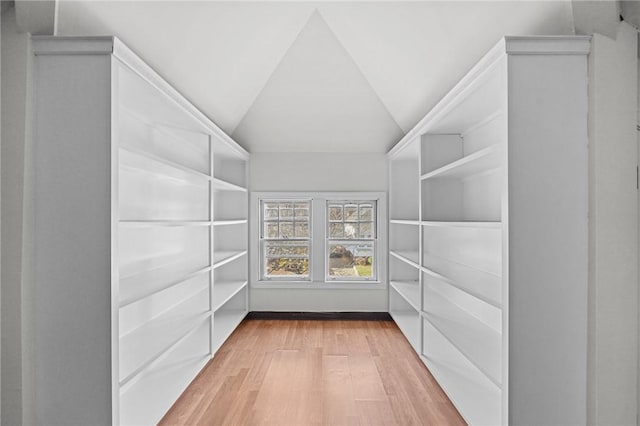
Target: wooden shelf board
{"points": [[408, 323], [404, 222], [478, 403], [480, 284], [409, 290], [148, 343], [477, 162], [406, 256], [229, 222], [462, 224], [152, 223], [223, 257], [222, 185], [142, 160], [479, 343], [225, 290], [162, 278], [224, 322]]}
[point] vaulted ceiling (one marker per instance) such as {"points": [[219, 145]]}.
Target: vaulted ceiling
{"points": [[313, 77]]}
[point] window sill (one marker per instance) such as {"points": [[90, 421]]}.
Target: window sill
{"points": [[321, 285]]}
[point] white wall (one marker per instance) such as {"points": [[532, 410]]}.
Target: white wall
{"points": [[317, 172], [613, 230], [15, 48]]}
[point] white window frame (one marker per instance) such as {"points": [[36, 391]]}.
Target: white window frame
{"points": [[345, 240], [318, 270], [264, 240]]}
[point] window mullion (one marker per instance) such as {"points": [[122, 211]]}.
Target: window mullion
{"points": [[318, 239]]}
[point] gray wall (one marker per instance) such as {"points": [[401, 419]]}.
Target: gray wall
{"points": [[613, 230], [318, 172]]}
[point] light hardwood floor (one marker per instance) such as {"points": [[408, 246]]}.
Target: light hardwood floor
{"points": [[299, 372]]}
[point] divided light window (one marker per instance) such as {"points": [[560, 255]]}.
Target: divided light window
{"points": [[285, 239], [351, 240]]}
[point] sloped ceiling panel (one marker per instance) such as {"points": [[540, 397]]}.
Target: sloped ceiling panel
{"points": [[391, 61], [413, 53], [220, 55], [317, 100]]}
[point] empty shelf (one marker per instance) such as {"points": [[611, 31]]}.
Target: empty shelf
{"points": [[478, 402], [483, 285], [221, 185], [406, 256], [145, 161], [151, 223], [136, 287], [225, 290], [409, 290], [408, 323], [464, 224], [229, 222], [224, 322], [478, 162], [478, 342], [223, 257], [404, 222]]}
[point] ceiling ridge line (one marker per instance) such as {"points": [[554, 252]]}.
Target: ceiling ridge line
{"points": [[266, 82], [364, 76]]}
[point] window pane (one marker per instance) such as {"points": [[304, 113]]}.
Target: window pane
{"points": [[351, 230], [336, 230], [302, 230], [286, 258], [286, 230], [366, 212], [335, 212], [366, 230], [351, 213], [351, 260], [286, 214], [302, 214], [271, 213], [271, 230]]}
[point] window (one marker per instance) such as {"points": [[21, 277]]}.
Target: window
{"points": [[351, 240], [285, 239], [315, 239]]}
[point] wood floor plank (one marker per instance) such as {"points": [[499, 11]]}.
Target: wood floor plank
{"points": [[315, 373], [338, 401]]}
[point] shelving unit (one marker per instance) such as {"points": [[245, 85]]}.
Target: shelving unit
{"points": [[152, 198], [488, 235]]}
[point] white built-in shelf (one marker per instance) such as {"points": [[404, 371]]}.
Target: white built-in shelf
{"points": [[408, 323], [225, 290], [149, 282], [130, 381], [150, 163], [480, 284], [223, 257], [477, 401], [229, 222], [221, 185], [409, 290], [152, 223], [406, 256], [156, 219], [479, 343], [478, 162], [224, 322], [141, 347], [463, 224], [404, 222]]}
